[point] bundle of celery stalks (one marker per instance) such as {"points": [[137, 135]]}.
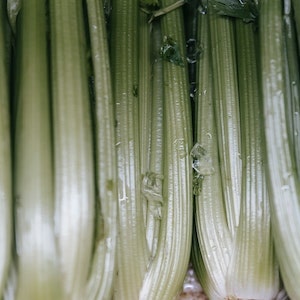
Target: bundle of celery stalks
{"points": [[137, 136]]}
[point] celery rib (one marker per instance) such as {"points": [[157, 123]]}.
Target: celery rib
{"points": [[73, 153], [101, 278], [282, 177], [132, 250], [226, 105], [34, 190], [166, 272], [153, 181], [253, 271], [214, 238]]}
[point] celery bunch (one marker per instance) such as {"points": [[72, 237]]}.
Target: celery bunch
{"points": [[137, 133]]}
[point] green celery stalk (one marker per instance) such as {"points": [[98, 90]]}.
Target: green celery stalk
{"points": [[226, 103], [144, 92], [283, 180], [132, 252], [253, 271], [166, 272], [73, 148], [37, 257], [153, 179], [101, 278], [5, 157], [212, 236]]}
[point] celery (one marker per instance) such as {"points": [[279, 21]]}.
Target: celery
{"points": [[166, 272], [132, 252], [37, 257], [153, 179], [144, 90], [100, 284], [5, 157], [73, 153], [214, 240], [282, 174], [226, 103], [252, 272]]}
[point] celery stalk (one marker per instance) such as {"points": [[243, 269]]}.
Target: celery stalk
{"points": [[166, 272], [144, 90], [226, 104], [153, 179], [253, 271], [132, 250], [37, 257], [73, 153], [214, 239], [5, 158], [283, 180], [101, 278]]}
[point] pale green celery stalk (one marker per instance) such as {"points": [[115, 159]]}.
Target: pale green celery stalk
{"points": [[73, 148], [37, 257], [144, 91], [166, 273], [293, 80], [226, 103], [132, 250], [253, 271], [153, 181], [5, 158], [213, 237], [101, 278], [284, 185]]}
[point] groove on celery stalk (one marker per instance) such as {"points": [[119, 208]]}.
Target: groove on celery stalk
{"points": [[166, 272], [283, 180], [5, 157], [101, 277], [132, 251], [253, 271], [37, 263], [73, 153]]}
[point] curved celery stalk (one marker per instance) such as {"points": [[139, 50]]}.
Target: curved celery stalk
{"points": [[38, 269], [283, 181], [132, 252], [5, 159], [213, 238], [166, 273], [252, 272], [73, 153], [227, 109], [100, 282]]}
